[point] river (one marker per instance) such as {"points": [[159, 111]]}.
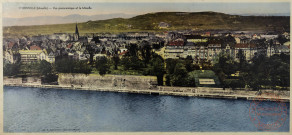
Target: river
{"points": [[60, 110]]}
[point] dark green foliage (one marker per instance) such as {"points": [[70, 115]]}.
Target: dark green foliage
{"points": [[282, 39], [176, 73], [72, 66], [179, 76], [116, 60], [157, 68], [82, 67], [91, 51], [45, 68], [189, 64], [226, 64], [145, 50], [49, 78], [102, 65], [11, 69], [234, 83], [133, 50], [262, 72], [242, 59], [131, 62], [266, 72], [30, 68]]}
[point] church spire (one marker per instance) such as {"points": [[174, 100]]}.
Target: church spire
{"points": [[76, 34], [76, 30]]}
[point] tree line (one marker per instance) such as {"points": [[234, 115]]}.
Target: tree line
{"points": [[261, 72]]}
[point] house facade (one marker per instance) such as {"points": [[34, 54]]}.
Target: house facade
{"points": [[248, 50], [28, 56]]}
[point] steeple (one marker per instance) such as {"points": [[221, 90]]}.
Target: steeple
{"points": [[76, 30], [76, 34]]}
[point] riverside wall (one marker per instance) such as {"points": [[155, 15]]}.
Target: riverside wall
{"points": [[144, 85], [93, 81], [22, 80]]}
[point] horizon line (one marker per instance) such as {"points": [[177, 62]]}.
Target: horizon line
{"points": [[241, 14]]}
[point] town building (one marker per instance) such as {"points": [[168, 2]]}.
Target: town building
{"points": [[28, 56], [11, 57], [248, 50], [196, 38]]}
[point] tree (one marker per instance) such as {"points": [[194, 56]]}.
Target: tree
{"points": [[125, 61], [242, 59], [11, 69], [91, 51], [271, 45], [189, 64], [157, 68], [282, 39], [280, 71], [72, 66], [46, 71], [179, 76], [82, 67], [116, 60], [259, 72], [102, 65], [225, 63], [133, 50], [30, 68], [64, 65], [45, 68], [170, 66], [145, 52], [224, 66], [131, 62]]}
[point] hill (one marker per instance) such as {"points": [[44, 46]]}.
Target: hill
{"points": [[150, 22]]}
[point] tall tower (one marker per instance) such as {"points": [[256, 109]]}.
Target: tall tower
{"points": [[76, 34]]}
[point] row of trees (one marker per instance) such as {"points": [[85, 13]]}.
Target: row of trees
{"points": [[41, 68], [260, 72]]}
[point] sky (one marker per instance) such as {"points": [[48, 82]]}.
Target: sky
{"points": [[15, 10]]}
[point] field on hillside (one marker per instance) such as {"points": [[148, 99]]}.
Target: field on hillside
{"points": [[150, 22]]}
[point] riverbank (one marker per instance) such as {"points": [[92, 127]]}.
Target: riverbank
{"points": [[284, 96]]}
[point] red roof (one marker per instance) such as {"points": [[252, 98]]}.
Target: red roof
{"points": [[214, 42], [69, 46], [10, 45], [35, 47], [176, 43], [245, 45], [123, 53]]}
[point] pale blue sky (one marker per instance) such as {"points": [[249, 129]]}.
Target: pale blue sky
{"points": [[272, 8]]}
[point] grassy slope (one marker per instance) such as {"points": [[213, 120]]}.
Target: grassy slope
{"points": [[149, 22]]}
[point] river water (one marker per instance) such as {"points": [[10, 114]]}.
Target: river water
{"points": [[58, 110]]}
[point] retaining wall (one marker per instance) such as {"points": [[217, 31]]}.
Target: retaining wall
{"points": [[22, 80], [108, 81]]}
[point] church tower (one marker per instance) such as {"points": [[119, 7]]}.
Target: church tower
{"points": [[76, 34]]}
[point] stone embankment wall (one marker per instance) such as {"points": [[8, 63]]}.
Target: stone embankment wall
{"points": [[220, 91], [22, 80], [108, 81], [141, 84]]}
